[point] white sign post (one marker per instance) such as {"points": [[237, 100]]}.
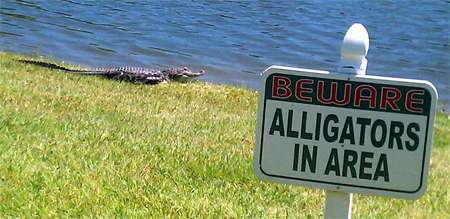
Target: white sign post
{"points": [[353, 61], [345, 132]]}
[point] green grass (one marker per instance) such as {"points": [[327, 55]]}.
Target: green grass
{"points": [[80, 146]]}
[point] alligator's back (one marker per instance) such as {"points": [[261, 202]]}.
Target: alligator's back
{"points": [[133, 74]]}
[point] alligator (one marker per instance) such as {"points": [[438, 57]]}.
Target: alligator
{"points": [[131, 74]]}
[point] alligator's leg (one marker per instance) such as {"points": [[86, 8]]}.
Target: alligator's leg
{"points": [[121, 76], [146, 79]]}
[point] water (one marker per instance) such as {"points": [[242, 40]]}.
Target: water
{"points": [[233, 41]]}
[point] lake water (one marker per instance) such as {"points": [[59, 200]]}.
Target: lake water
{"points": [[233, 41]]}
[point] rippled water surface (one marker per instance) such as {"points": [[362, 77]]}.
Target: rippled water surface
{"points": [[234, 41]]}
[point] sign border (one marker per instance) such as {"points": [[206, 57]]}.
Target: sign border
{"points": [[335, 186]]}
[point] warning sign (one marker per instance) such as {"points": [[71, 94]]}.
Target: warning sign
{"points": [[367, 135]]}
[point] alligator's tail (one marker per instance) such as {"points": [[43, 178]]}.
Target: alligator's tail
{"points": [[57, 67], [44, 64]]}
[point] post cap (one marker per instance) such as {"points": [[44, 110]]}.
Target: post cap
{"points": [[354, 50]]}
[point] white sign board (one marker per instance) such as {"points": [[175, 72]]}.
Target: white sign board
{"points": [[353, 134]]}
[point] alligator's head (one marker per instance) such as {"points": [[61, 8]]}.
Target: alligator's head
{"points": [[182, 74]]}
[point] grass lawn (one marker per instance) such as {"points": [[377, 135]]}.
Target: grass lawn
{"points": [[81, 146]]}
